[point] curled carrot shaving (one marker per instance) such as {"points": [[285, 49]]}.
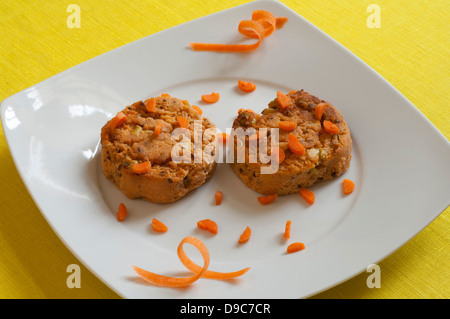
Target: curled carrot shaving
{"points": [[287, 230], [262, 25], [183, 122], [295, 146], [245, 236], [287, 125], [117, 120], [330, 127], [208, 225], [158, 129], [199, 110], [141, 168], [292, 92], [281, 21], [122, 213], [166, 281], [208, 274], [246, 86], [150, 105], [294, 247], [158, 226], [266, 200], [318, 110], [218, 197], [348, 186], [307, 195], [283, 100], [211, 98]]}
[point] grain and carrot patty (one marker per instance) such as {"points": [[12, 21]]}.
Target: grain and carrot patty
{"points": [[314, 143], [137, 150]]}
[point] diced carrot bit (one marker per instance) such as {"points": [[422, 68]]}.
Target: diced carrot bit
{"points": [[211, 98], [246, 86], [199, 110], [245, 236], [158, 129], [222, 138], [283, 100], [122, 213], [165, 95], [330, 127], [208, 225], [265, 200], [218, 196], [287, 230], [150, 105], [183, 122], [292, 92], [117, 120], [295, 146], [141, 168], [307, 195], [348, 186], [280, 155], [159, 226], [318, 110], [287, 125], [294, 247]]}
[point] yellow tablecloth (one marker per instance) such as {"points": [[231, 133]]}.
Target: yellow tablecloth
{"points": [[410, 49]]}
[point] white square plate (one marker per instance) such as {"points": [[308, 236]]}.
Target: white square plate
{"points": [[400, 162]]}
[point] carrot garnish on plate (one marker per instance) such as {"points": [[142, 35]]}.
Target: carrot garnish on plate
{"points": [[246, 86], [177, 282], [262, 25], [307, 195], [245, 235], [211, 98]]}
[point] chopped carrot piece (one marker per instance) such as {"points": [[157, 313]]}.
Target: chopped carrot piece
{"points": [[283, 100], [209, 225], [183, 122], [159, 226], [294, 247], [295, 146], [265, 200], [199, 110], [245, 236], [150, 105], [287, 125], [330, 127], [246, 86], [318, 110], [281, 21], [287, 230], [158, 129], [280, 156], [117, 120], [222, 138], [348, 186], [307, 195], [211, 98], [165, 95], [292, 92], [122, 213], [218, 196], [141, 168]]}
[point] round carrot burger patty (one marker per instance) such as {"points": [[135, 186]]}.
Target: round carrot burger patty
{"points": [[137, 150], [314, 144]]}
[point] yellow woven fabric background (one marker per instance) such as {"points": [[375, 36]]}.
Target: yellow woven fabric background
{"points": [[410, 50]]}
